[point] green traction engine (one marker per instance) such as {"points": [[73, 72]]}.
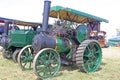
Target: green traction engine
{"points": [[13, 40], [17, 40], [60, 45]]}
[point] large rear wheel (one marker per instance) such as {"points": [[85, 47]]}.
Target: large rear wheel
{"points": [[89, 56], [46, 63], [25, 57]]}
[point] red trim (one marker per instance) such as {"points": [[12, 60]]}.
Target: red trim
{"points": [[1, 21]]}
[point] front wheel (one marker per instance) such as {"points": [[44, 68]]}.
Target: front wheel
{"points": [[25, 57], [46, 63]]}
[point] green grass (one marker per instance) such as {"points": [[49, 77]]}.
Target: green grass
{"points": [[109, 70]]}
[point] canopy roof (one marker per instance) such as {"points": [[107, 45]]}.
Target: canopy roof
{"points": [[73, 15], [19, 22]]}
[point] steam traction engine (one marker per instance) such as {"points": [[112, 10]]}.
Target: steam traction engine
{"points": [[61, 45], [13, 39]]}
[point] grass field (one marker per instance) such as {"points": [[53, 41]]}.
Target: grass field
{"points": [[109, 69]]}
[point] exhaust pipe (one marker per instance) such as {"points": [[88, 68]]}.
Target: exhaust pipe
{"points": [[6, 27], [4, 41], [46, 11]]}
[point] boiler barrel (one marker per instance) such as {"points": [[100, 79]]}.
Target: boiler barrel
{"points": [[43, 41]]}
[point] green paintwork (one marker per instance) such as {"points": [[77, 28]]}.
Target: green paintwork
{"points": [[92, 57], [60, 46], [47, 63], [21, 38], [81, 33], [73, 15]]}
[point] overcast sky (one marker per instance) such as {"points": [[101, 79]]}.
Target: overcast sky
{"points": [[31, 10]]}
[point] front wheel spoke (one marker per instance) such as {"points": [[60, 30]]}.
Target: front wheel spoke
{"points": [[40, 71], [55, 63], [25, 63], [43, 60], [52, 68], [24, 60], [39, 63], [29, 58], [26, 53], [50, 56], [29, 51], [44, 56], [53, 57], [30, 64], [49, 70], [45, 71]]}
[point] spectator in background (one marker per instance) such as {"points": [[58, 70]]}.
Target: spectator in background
{"points": [[1, 30], [14, 28]]}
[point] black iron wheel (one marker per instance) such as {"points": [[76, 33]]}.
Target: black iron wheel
{"points": [[6, 54]]}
